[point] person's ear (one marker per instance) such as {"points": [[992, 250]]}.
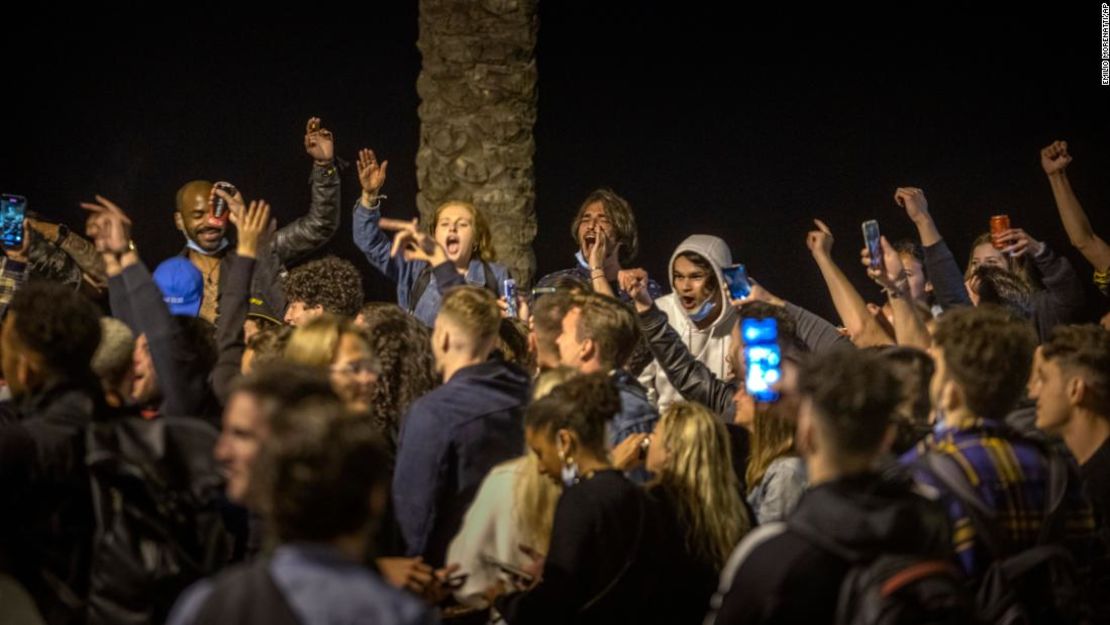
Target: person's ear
{"points": [[178, 222], [928, 286], [951, 397], [565, 443], [444, 340], [1077, 390], [587, 350]]}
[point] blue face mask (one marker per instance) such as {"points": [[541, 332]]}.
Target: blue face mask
{"points": [[581, 259], [700, 314], [189, 243]]}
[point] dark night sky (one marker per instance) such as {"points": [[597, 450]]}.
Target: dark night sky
{"points": [[737, 124]]}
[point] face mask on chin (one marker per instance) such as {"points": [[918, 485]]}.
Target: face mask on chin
{"points": [[193, 245], [702, 312]]}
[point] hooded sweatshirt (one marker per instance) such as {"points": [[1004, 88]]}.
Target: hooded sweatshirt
{"points": [[711, 345], [791, 572]]}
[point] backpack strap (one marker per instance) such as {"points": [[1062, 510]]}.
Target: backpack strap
{"points": [[983, 518], [425, 277], [490, 279], [419, 286]]}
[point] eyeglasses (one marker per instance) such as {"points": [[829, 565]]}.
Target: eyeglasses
{"points": [[357, 367]]}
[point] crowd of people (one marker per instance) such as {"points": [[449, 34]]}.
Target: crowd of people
{"points": [[239, 437]]}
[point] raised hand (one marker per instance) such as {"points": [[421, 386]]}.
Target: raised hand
{"points": [[235, 203], [634, 282], [890, 275], [20, 254], [820, 241], [1055, 158], [412, 243], [913, 200], [319, 142], [113, 226], [371, 175], [1018, 242], [252, 226]]}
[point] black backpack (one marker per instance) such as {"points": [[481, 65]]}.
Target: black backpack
{"points": [[158, 506], [896, 588], [1039, 584]]}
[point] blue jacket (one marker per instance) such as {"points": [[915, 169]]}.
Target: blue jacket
{"points": [[449, 441], [637, 415], [376, 246]]}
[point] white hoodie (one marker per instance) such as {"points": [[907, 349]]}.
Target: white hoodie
{"points": [[712, 345]]}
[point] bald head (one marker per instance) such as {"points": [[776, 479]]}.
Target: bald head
{"points": [[194, 213], [192, 194]]}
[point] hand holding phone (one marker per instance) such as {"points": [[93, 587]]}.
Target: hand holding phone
{"points": [[13, 214], [762, 357], [871, 238], [736, 277]]}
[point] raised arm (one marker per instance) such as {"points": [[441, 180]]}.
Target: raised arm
{"points": [[312, 230], [862, 328], [1055, 160]]}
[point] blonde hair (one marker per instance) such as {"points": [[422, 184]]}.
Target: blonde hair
{"points": [[772, 438], [315, 343], [698, 475], [535, 496], [483, 238], [475, 310]]}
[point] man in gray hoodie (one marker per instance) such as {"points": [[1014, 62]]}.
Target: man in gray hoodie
{"points": [[698, 309]]}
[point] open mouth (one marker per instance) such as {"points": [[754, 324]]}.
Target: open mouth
{"points": [[590, 239], [452, 245], [689, 302], [210, 235]]}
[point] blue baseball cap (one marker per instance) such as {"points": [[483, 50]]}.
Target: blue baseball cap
{"points": [[182, 285]]}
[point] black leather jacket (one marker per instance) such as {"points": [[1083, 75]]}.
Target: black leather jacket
{"points": [[696, 382]]}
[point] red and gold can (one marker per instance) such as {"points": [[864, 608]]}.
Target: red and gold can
{"points": [[999, 224]]}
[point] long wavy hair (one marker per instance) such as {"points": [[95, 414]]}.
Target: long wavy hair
{"points": [[402, 347], [772, 437], [698, 475], [535, 496]]}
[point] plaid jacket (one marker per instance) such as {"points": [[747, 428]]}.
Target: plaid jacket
{"points": [[1010, 474]]}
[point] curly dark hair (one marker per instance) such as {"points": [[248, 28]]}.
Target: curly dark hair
{"points": [[1005, 289], [320, 458], [584, 405], [402, 346], [854, 395], [330, 282], [1083, 350], [59, 324], [988, 351]]}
